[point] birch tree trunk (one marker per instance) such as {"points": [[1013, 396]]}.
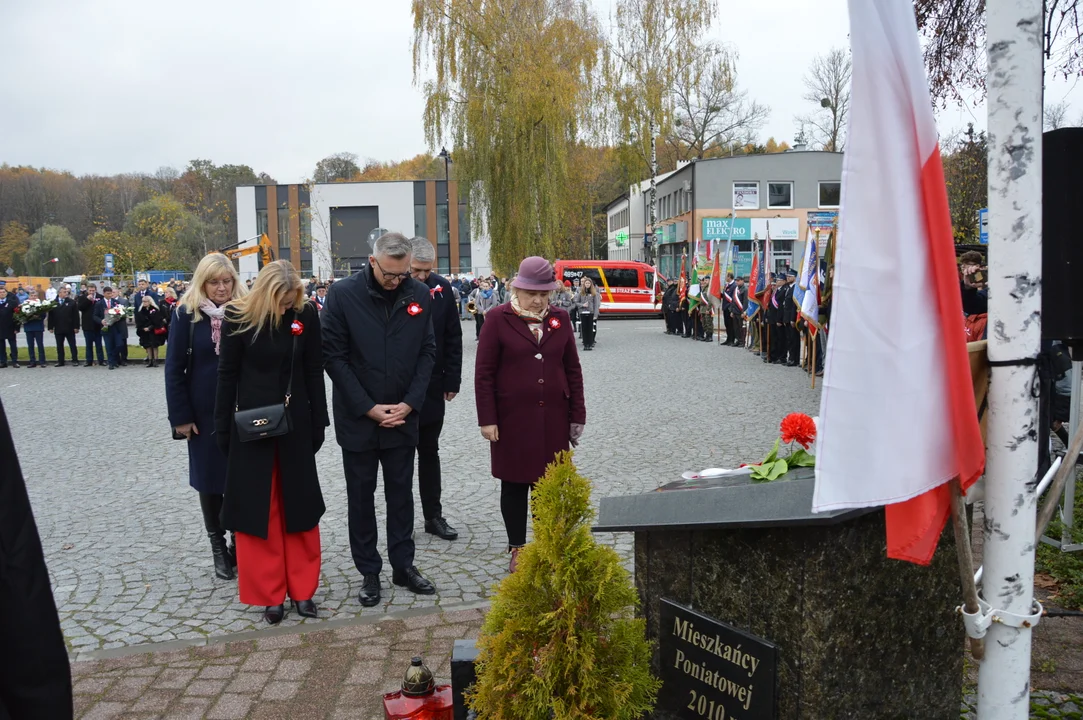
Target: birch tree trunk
{"points": [[1015, 211]]}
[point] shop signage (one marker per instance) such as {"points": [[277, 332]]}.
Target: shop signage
{"points": [[713, 671], [749, 228]]}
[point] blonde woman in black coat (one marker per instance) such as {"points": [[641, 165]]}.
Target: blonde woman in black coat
{"points": [[272, 354]]}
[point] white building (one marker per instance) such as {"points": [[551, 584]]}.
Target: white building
{"points": [[325, 228]]}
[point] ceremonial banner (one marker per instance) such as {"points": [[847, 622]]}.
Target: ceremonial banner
{"points": [[897, 414], [755, 282], [810, 286]]}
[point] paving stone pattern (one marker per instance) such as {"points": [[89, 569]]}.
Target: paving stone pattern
{"points": [[123, 534], [339, 673]]}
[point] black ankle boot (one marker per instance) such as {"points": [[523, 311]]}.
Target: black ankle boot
{"points": [[222, 567], [211, 505]]}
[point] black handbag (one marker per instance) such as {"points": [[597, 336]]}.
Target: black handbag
{"points": [[187, 372], [270, 420]]}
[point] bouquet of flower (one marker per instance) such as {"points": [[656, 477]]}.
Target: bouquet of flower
{"points": [[113, 316], [795, 428], [33, 309]]}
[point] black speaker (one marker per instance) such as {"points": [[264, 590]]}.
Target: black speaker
{"points": [[1062, 239]]}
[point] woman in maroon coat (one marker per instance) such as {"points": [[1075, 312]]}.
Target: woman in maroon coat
{"points": [[529, 389]]}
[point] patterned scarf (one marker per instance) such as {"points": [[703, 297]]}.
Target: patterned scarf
{"points": [[533, 320], [215, 313]]}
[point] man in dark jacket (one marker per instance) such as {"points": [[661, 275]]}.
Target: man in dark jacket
{"points": [[669, 308], [92, 327], [379, 350], [443, 386], [789, 319], [36, 681], [63, 323], [727, 309], [9, 329]]}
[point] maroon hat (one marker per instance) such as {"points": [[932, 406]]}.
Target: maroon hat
{"points": [[567, 283], [535, 273]]}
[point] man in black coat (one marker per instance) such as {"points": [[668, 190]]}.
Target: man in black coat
{"points": [[776, 352], [89, 320], [9, 329], [36, 677], [727, 309], [443, 386], [669, 308], [63, 323], [379, 350], [789, 319]]}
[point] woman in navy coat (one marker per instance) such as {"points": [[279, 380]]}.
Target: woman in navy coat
{"points": [[528, 385], [191, 380]]}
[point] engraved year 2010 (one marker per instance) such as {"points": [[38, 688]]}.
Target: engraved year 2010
{"points": [[703, 707]]}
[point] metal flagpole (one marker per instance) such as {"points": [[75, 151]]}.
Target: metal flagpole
{"points": [[1014, 81]]}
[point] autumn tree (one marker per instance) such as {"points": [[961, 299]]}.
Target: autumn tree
{"points": [[163, 221], [710, 112], [336, 168], [512, 84], [53, 241], [655, 44], [420, 167], [131, 253], [955, 52], [827, 87], [771, 146], [965, 159], [14, 242]]}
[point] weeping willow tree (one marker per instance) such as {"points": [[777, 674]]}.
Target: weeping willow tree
{"points": [[512, 84], [657, 45]]}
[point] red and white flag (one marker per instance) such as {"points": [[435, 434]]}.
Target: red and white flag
{"points": [[897, 415]]}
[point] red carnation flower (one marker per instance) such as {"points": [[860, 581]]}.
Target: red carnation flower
{"points": [[297, 327], [799, 428]]}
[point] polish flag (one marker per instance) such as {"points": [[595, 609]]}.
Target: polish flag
{"points": [[897, 414]]}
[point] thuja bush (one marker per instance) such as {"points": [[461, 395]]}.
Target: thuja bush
{"points": [[561, 639]]}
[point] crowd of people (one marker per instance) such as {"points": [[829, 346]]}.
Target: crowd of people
{"points": [[776, 331], [102, 318], [245, 390]]}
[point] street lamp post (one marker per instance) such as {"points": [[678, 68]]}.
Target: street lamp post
{"points": [[447, 161]]}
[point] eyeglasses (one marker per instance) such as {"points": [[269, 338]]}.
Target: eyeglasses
{"points": [[394, 276]]}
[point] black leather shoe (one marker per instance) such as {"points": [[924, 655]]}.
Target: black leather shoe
{"points": [[305, 608], [412, 580], [370, 591], [273, 614], [440, 528]]}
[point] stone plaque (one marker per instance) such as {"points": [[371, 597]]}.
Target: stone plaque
{"points": [[713, 671]]}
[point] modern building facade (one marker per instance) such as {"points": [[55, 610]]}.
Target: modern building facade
{"points": [[325, 229], [733, 201]]}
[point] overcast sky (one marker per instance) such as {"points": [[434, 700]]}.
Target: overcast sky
{"points": [[108, 86]]}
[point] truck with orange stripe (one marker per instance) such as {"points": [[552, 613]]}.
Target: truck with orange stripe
{"points": [[628, 288]]}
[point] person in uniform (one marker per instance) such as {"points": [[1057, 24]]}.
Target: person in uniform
{"points": [[777, 351], [669, 308], [737, 310], [789, 319], [727, 309]]}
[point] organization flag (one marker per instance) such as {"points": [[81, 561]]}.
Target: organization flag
{"points": [[810, 284], [755, 283], [715, 288], [897, 414]]}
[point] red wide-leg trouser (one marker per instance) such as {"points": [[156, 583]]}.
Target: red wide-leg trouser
{"points": [[283, 563]]}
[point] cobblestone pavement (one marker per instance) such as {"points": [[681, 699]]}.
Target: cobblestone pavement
{"points": [[123, 533], [274, 674]]}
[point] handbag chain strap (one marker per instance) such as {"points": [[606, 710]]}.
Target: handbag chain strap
{"points": [[292, 357]]}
